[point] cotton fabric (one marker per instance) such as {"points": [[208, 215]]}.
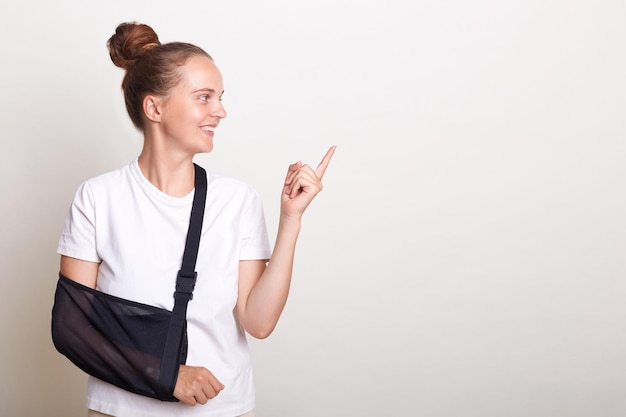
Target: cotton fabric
{"points": [[137, 234]]}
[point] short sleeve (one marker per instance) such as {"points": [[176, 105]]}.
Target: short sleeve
{"points": [[254, 238], [78, 239]]}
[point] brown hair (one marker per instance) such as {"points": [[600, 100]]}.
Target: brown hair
{"points": [[151, 67]]}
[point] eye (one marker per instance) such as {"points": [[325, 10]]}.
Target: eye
{"points": [[204, 97]]}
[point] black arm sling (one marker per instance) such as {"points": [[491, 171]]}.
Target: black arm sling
{"points": [[134, 346]]}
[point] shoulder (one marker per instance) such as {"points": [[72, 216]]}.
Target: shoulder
{"points": [[225, 183], [231, 190], [107, 179], [104, 184]]}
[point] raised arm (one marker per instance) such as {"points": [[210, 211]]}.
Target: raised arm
{"points": [[263, 289]]}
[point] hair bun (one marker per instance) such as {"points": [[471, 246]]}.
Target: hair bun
{"points": [[130, 42]]}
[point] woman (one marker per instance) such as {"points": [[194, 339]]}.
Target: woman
{"points": [[126, 229]]}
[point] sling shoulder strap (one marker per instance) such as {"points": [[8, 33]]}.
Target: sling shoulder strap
{"points": [[186, 279], [185, 283]]}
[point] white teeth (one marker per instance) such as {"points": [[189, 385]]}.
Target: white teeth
{"points": [[208, 128]]}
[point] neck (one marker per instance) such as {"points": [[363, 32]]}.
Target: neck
{"points": [[171, 174]]}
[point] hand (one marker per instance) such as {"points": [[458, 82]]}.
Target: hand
{"points": [[196, 385], [302, 184]]}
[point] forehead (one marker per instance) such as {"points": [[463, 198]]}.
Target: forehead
{"points": [[200, 72]]}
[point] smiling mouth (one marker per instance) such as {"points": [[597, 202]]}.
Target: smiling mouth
{"points": [[208, 129]]}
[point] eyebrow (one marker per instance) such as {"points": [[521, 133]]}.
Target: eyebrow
{"points": [[208, 90]]}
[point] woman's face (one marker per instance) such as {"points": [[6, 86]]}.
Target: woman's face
{"points": [[193, 108]]}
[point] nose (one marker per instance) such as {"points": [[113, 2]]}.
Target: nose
{"points": [[219, 110]]}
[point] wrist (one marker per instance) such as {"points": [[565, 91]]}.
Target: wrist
{"points": [[291, 218], [290, 223]]}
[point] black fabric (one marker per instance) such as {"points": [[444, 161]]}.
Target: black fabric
{"points": [[185, 283], [134, 346], [113, 339]]}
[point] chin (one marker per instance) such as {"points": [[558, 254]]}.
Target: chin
{"points": [[205, 148]]}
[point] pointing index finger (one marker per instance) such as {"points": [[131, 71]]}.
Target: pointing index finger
{"points": [[321, 168]]}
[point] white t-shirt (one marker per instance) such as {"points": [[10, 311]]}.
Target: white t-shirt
{"points": [[138, 233]]}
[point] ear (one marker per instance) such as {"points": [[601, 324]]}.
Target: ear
{"points": [[152, 106]]}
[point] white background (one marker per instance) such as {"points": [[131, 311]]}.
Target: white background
{"points": [[467, 255]]}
